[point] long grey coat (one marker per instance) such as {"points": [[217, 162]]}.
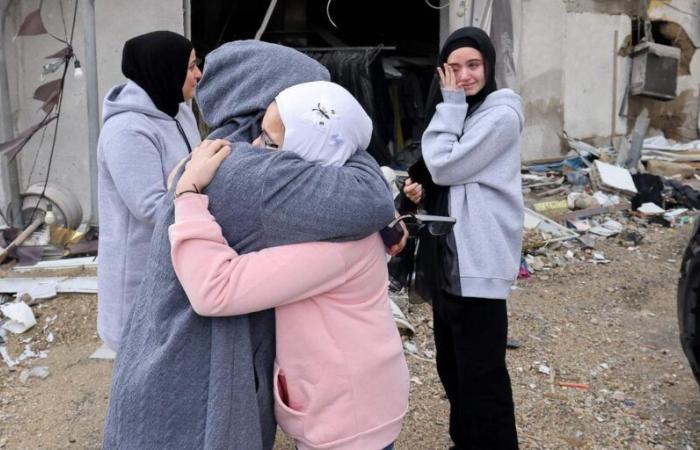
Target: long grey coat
{"points": [[139, 146], [182, 381]]}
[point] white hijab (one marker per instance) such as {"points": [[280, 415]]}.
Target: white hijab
{"points": [[323, 123]]}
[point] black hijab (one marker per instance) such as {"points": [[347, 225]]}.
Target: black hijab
{"points": [[436, 254], [477, 39], [158, 62]]}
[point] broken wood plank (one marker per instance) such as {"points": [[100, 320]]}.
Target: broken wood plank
{"points": [[84, 285], [68, 263], [584, 213]]}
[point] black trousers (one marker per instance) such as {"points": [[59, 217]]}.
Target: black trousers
{"points": [[470, 341]]}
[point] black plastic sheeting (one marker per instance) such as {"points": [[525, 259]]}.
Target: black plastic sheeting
{"points": [[684, 195], [649, 189]]}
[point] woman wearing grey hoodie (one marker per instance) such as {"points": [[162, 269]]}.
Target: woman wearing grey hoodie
{"points": [[471, 149], [147, 129]]}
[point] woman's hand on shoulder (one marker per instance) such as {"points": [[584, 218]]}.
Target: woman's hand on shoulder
{"points": [[203, 164]]}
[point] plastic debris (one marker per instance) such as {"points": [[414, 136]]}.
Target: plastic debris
{"points": [[651, 209], [20, 317], [410, 347]]}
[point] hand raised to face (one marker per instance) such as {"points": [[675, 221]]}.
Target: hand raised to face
{"points": [[447, 78]]}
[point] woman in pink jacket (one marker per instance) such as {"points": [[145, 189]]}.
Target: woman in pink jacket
{"points": [[341, 380]]}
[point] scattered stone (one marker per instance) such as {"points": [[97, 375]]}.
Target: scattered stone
{"points": [[35, 372]]}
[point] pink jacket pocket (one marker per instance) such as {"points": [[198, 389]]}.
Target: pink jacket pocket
{"points": [[289, 419]]}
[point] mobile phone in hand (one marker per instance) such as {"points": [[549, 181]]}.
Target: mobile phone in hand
{"points": [[391, 235]]}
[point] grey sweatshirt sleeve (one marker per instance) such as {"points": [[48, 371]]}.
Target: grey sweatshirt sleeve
{"points": [[456, 156], [135, 166], [301, 199]]}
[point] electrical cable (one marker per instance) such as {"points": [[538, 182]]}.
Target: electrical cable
{"points": [[53, 143], [72, 30], [36, 157], [668, 3], [44, 122], [63, 19], [41, 4], [328, 13], [427, 2], [58, 113], [266, 19], [225, 27]]}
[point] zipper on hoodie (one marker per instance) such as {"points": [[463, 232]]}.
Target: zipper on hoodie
{"points": [[184, 136]]}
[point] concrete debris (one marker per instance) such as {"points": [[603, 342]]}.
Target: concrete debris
{"points": [[35, 372], [613, 178], [670, 169], [19, 316], [6, 357], [34, 294], [634, 155], [410, 347], [604, 200], [651, 209], [660, 148], [103, 352], [400, 319]]}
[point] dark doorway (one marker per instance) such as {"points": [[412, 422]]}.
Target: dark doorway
{"points": [[382, 51]]}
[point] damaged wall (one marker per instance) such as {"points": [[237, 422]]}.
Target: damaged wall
{"points": [[566, 70], [590, 99], [683, 12], [541, 75], [676, 23], [71, 158], [627, 7]]}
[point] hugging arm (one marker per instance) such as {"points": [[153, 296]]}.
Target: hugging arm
{"points": [[330, 203], [220, 282]]}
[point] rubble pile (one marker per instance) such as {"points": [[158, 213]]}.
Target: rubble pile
{"points": [[575, 201]]}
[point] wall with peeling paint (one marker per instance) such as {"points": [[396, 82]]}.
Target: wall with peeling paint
{"points": [[684, 12], [627, 7], [566, 71], [590, 99], [678, 118], [116, 21], [541, 75]]}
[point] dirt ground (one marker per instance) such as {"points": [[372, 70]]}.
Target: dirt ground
{"points": [[611, 327]]}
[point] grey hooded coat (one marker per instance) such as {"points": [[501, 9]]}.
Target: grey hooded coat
{"points": [[182, 381]]}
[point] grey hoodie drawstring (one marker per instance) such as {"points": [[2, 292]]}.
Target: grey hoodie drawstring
{"points": [[184, 136]]}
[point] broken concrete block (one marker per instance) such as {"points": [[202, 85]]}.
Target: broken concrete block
{"points": [[35, 372], [669, 169], [613, 178], [20, 317]]}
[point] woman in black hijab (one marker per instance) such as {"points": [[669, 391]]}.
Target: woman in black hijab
{"points": [[147, 130], [471, 171], [155, 62]]}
